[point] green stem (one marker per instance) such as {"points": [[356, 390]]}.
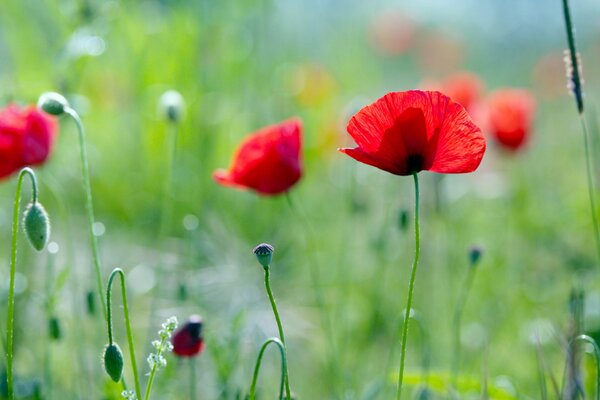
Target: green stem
{"points": [[411, 286], [458, 312], [586, 338], [590, 182], [113, 274], [89, 204], [192, 378], [11, 287], [279, 327], [259, 362]]}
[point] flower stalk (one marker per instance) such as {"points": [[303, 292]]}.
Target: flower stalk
{"points": [[258, 364]]}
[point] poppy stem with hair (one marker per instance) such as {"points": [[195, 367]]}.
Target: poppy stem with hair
{"points": [[411, 286], [282, 351], [85, 171], [279, 326], [113, 274], [11, 286], [576, 86]]}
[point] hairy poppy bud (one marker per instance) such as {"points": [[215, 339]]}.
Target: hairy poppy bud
{"points": [[113, 361], [264, 254], [36, 225], [171, 105], [53, 103], [188, 341], [475, 254]]}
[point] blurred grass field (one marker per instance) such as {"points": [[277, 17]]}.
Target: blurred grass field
{"points": [[244, 64]]}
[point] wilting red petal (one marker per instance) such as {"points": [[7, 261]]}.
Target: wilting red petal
{"points": [[510, 114], [26, 138], [406, 132], [268, 161]]}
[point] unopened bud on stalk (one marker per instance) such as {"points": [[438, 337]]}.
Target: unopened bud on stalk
{"points": [[403, 220], [53, 103], [54, 328], [475, 254], [264, 254], [113, 361], [171, 105], [36, 225]]}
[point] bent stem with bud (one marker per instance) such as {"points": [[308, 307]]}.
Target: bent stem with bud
{"points": [[411, 286], [264, 255], [113, 274], [281, 347], [55, 104], [37, 229]]}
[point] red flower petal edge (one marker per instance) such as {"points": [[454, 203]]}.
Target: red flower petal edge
{"points": [[27, 137], [268, 161], [407, 132]]}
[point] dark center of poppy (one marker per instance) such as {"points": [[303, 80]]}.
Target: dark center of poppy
{"points": [[415, 163]]}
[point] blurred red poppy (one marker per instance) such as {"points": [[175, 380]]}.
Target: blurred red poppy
{"points": [[465, 88], [407, 132], [510, 116], [27, 136], [188, 341], [268, 161]]}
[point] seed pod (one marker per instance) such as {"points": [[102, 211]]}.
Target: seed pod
{"points": [[264, 254], [36, 225], [113, 361], [53, 103]]}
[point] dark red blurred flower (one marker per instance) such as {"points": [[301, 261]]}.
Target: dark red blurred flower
{"points": [[188, 341], [510, 116], [407, 132], [268, 161], [27, 136], [465, 88]]}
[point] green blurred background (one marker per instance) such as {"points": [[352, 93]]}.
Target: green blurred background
{"points": [[244, 64]]}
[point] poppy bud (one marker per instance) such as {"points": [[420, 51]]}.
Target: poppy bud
{"points": [[90, 301], [36, 225], [264, 254], [53, 103], [403, 220], [171, 105], [113, 361], [475, 254], [188, 341], [54, 328]]}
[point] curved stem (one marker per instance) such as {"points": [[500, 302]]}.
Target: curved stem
{"points": [[11, 287], [113, 274], [586, 338], [279, 327], [411, 286], [259, 362], [89, 204]]}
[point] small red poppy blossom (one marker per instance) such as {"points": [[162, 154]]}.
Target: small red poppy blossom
{"points": [[407, 132], [268, 161], [465, 88], [188, 341], [27, 137], [510, 116]]}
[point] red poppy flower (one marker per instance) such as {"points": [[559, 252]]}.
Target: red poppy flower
{"points": [[407, 132], [510, 116], [268, 161], [188, 341], [465, 88], [26, 138]]}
